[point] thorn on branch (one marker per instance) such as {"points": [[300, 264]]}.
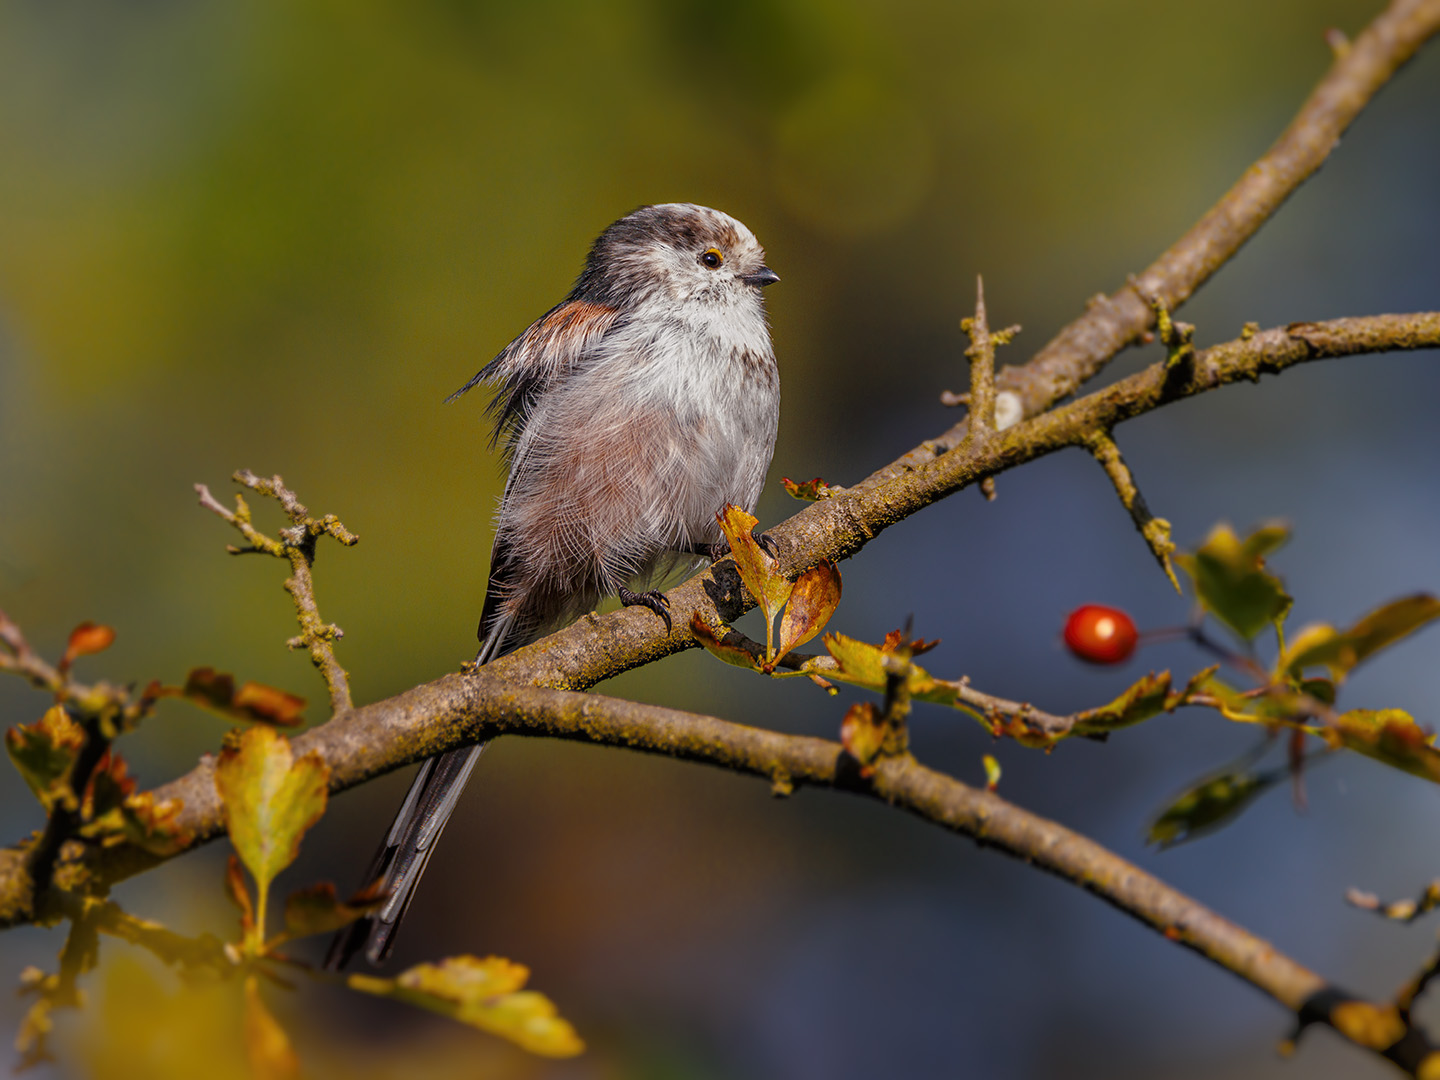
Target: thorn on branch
{"points": [[1177, 337], [1156, 531], [982, 399], [989, 412]]}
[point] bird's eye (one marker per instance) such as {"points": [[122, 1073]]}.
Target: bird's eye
{"points": [[712, 258]]}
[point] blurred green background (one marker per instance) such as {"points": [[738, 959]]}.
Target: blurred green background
{"points": [[275, 236]]}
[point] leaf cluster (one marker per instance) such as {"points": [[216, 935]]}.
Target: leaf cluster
{"points": [[270, 798]]}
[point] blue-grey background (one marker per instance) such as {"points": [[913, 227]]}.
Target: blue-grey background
{"points": [[275, 236]]}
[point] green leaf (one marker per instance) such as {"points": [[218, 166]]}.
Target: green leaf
{"points": [[862, 664], [485, 994], [813, 600], [43, 752], [1140, 702], [1210, 804], [1231, 581], [1323, 645], [269, 799], [1391, 736]]}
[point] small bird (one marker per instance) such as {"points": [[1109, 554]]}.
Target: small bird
{"points": [[630, 414]]}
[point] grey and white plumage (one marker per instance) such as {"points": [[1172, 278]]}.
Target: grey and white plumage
{"points": [[630, 414]]}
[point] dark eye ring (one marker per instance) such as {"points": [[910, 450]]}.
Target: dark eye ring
{"points": [[712, 258]]}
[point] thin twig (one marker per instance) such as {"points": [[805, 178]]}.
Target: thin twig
{"points": [[17, 657], [1156, 531], [297, 545]]}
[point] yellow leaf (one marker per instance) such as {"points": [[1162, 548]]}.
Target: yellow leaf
{"points": [[1316, 644], [1342, 652], [807, 490], [1391, 736], [759, 571], [815, 597], [1376, 1026], [862, 664], [862, 733], [728, 647], [154, 825], [992, 772], [485, 994], [269, 800], [142, 1024], [268, 1047]]}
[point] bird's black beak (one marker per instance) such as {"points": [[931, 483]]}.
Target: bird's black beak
{"points": [[762, 277]]}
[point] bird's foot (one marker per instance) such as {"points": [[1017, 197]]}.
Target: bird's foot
{"points": [[653, 599]]}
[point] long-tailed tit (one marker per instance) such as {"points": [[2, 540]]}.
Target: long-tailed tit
{"points": [[630, 414]]}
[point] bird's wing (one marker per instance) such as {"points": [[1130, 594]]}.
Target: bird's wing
{"points": [[546, 353]]}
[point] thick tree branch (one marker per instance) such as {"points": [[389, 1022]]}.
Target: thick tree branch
{"points": [[461, 710], [1110, 323], [597, 647]]}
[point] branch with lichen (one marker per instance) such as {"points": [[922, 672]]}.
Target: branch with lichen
{"points": [[598, 647], [1111, 323], [1156, 531], [460, 710], [296, 544]]}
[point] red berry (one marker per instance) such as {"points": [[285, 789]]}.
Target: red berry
{"points": [[1100, 634]]}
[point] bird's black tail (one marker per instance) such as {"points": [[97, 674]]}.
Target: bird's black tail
{"points": [[407, 847]]}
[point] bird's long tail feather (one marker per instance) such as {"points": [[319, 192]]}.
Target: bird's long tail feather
{"points": [[405, 852]]}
